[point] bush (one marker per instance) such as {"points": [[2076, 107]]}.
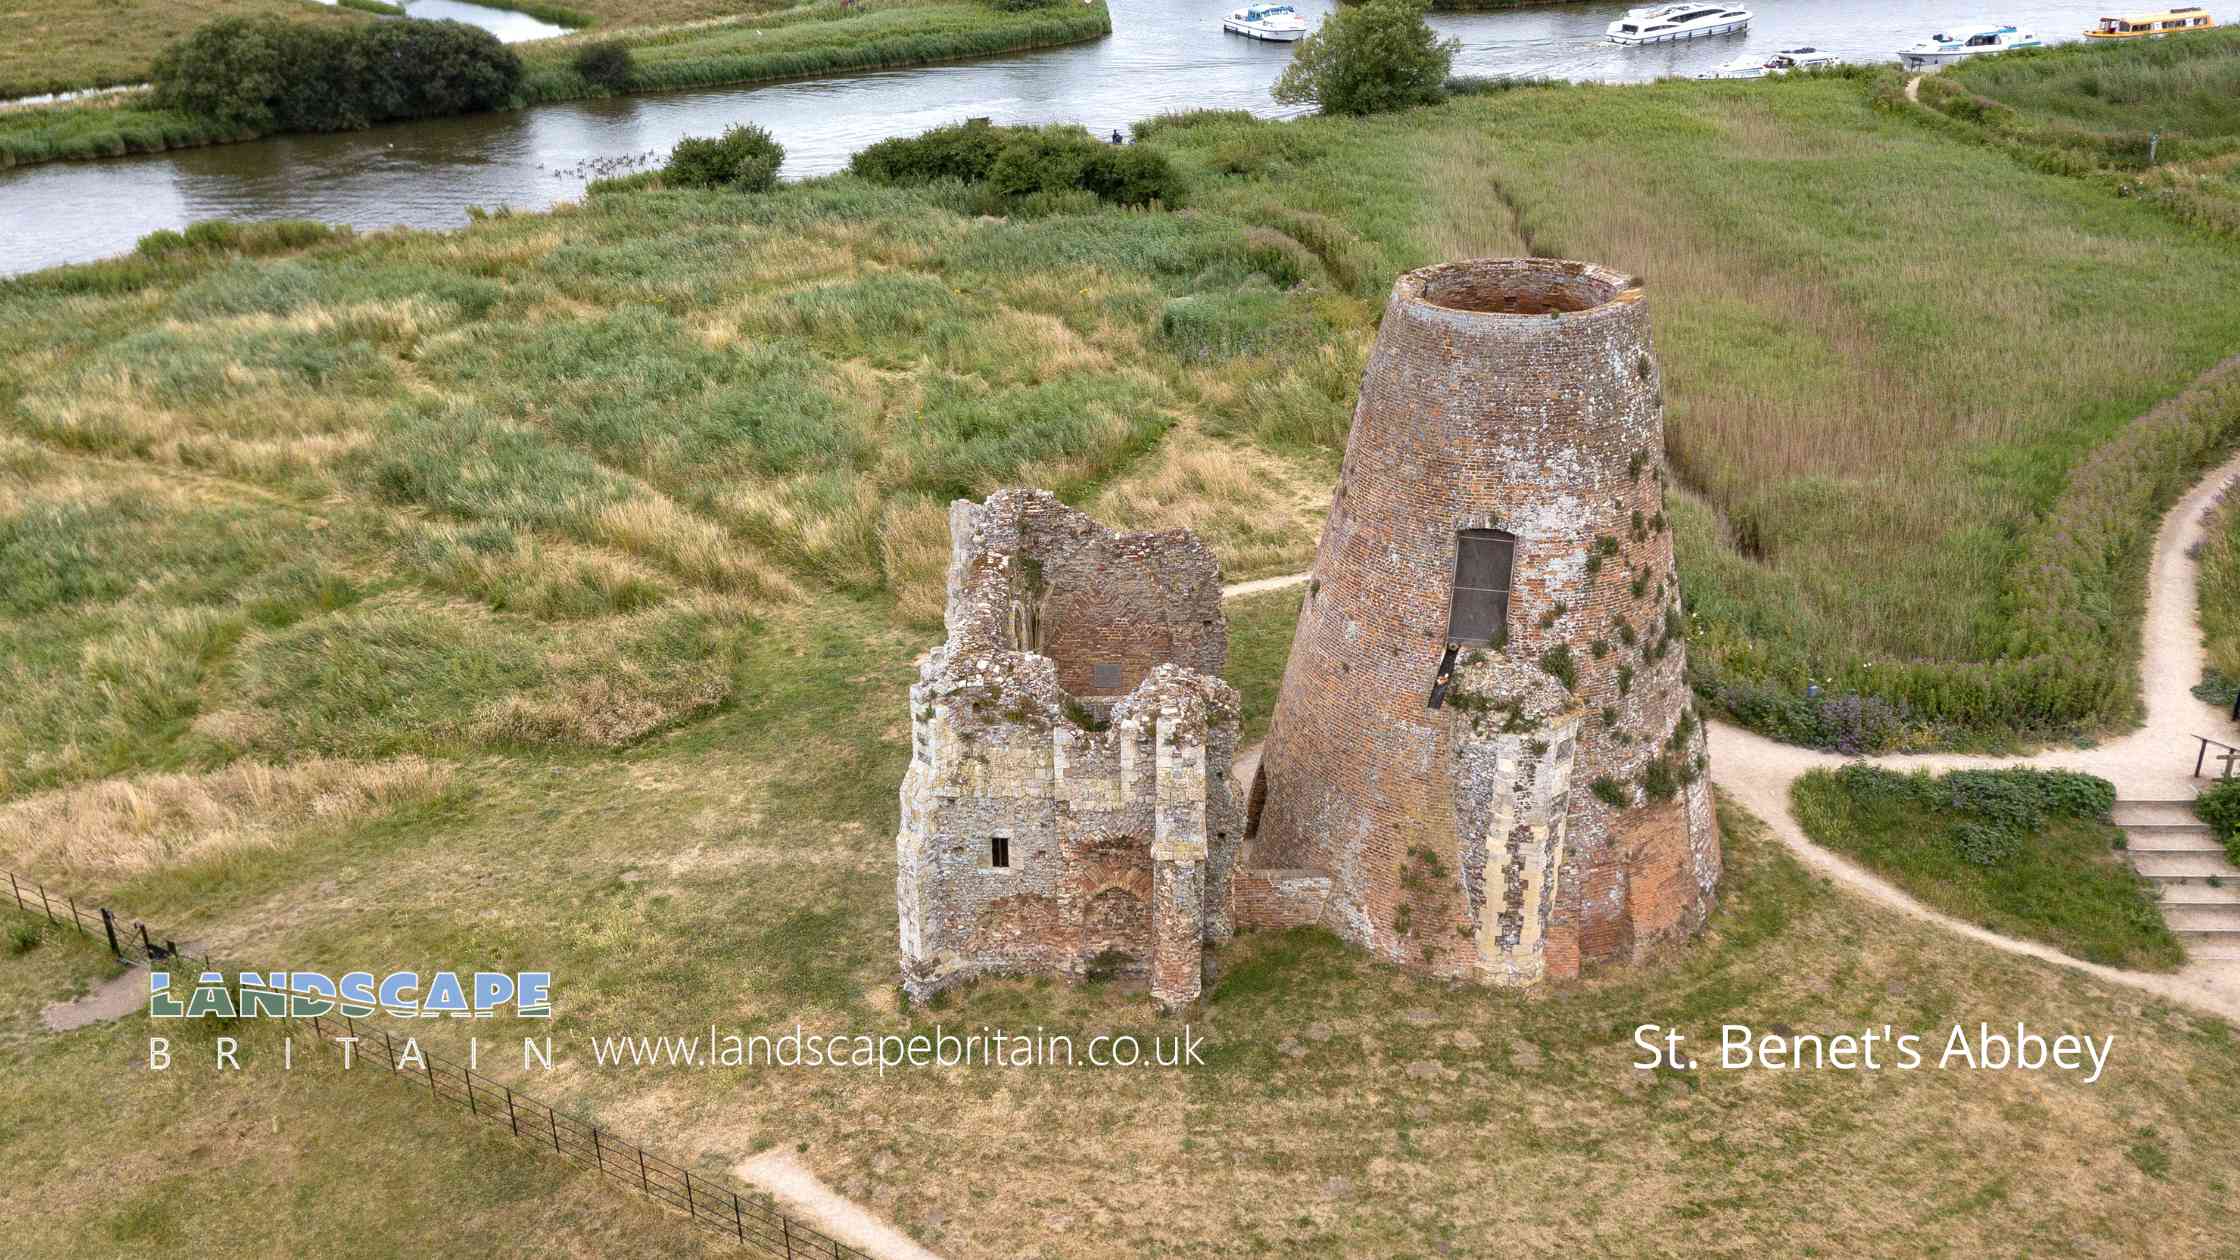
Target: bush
{"points": [[1032, 170], [1023, 6], [2219, 806], [743, 158], [1380, 56], [962, 152], [23, 938], [270, 74], [606, 64], [1985, 844]]}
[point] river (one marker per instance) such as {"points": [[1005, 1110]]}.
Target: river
{"points": [[1163, 55]]}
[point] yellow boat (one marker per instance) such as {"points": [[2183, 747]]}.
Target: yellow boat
{"points": [[2152, 25]]}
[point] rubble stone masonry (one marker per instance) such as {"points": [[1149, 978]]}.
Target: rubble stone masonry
{"points": [[1551, 810], [1068, 808]]}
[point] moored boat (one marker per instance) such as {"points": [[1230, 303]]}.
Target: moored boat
{"points": [[1758, 66], [1664, 24], [1939, 50], [2152, 25], [1278, 22]]}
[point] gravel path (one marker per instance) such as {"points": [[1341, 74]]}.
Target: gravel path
{"points": [[800, 1193]]}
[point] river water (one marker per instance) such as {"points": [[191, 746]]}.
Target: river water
{"points": [[1163, 55]]}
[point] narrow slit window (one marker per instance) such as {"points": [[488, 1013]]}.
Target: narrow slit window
{"points": [[1482, 560], [999, 852]]}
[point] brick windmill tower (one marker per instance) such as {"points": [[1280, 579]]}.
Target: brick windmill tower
{"points": [[1484, 738]]}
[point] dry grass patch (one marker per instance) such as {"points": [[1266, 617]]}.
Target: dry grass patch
{"points": [[1259, 513], [103, 832]]}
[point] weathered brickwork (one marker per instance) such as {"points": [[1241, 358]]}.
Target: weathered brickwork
{"points": [[1068, 808], [1553, 811]]}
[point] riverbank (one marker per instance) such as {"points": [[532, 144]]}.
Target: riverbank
{"points": [[821, 38]]}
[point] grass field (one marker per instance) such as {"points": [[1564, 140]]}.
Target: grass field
{"points": [[107, 1157], [63, 45], [2044, 876], [545, 594], [2155, 119]]}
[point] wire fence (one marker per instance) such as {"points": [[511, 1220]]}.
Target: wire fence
{"points": [[752, 1221]]}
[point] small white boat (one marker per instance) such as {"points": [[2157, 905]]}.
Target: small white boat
{"points": [[1800, 59], [1279, 22], [1666, 23], [1946, 49], [1750, 67], [1758, 66]]}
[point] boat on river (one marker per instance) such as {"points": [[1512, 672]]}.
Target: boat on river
{"points": [[1940, 50], [1758, 66], [2152, 25], [1670, 23], [1278, 22]]}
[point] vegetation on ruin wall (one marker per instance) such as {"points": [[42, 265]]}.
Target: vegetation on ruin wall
{"points": [[2027, 853], [809, 39]]}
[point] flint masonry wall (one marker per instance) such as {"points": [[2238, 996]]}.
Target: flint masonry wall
{"points": [[1559, 815], [1114, 807]]}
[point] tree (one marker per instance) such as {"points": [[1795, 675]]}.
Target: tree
{"points": [[607, 64], [1379, 56]]}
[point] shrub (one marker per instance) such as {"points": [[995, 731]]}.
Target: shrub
{"points": [[964, 152], [1985, 844], [23, 938], [744, 158], [606, 64], [269, 73], [2219, 806], [1380, 56], [1558, 663], [1031, 170], [2024, 798], [1610, 792], [1023, 6]]}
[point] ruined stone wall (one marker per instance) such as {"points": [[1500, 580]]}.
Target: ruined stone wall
{"points": [[1105, 607], [1118, 813], [1520, 396]]}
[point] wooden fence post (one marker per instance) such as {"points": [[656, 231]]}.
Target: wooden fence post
{"points": [[690, 1208], [48, 906], [554, 1118], [739, 1222], [512, 1119], [109, 925], [468, 1077], [598, 1154], [645, 1183], [17, 889]]}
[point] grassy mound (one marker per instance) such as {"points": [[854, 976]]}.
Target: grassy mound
{"points": [[2026, 853]]}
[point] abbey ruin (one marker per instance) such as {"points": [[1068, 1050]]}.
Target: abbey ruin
{"points": [[1484, 762]]}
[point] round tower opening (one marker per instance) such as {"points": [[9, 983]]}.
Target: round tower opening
{"points": [[1520, 286]]}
